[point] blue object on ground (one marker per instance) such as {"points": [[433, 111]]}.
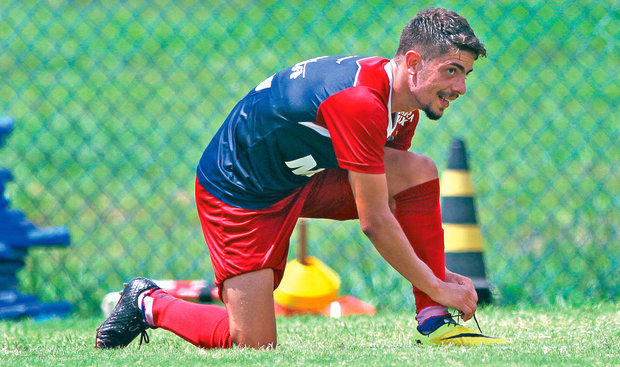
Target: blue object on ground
{"points": [[17, 235]]}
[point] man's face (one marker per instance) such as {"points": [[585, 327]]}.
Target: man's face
{"points": [[441, 80]]}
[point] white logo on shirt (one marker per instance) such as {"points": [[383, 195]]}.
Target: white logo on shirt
{"points": [[264, 84], [344, 58], [300, 68], [404, 117]]}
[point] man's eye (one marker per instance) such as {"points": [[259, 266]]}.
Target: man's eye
{"points": [[451, 71]]}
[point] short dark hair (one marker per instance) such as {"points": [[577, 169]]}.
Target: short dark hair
{"points": [[434, 32]]}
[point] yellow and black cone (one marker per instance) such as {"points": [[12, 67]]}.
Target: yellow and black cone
{"points": [[463, 239]]}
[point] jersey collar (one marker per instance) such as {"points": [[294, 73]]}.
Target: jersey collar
{"points": [[389, 70]]}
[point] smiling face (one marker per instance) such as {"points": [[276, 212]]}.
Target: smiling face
{"points": [[433, 84]]}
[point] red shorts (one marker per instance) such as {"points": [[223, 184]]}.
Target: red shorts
{"points": [[244, 240]]}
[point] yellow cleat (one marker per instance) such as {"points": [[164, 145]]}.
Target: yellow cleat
{"points": [[451, 333]]}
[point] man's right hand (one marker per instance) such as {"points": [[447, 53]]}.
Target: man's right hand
{"points": [[458, 296]]}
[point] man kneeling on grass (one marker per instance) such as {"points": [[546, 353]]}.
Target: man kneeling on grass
{"points": [[326, 138]]}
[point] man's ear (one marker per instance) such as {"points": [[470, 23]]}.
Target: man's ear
{"points": [[413, 60]]}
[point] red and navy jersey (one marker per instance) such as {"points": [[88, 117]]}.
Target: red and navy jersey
{"points": [[326, 112]]}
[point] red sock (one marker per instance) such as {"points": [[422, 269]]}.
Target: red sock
{"points": [[205, 326], [419, 214]]}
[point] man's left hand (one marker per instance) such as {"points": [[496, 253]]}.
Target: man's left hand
{"points": [[461, 280]]}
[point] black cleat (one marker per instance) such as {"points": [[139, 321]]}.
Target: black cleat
{"points": [[126, 321]]}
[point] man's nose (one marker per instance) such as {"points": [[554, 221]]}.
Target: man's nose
{"points": [[459, 86]]}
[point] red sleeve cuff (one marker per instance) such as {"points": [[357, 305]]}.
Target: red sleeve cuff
{"points": [[363, 168]]}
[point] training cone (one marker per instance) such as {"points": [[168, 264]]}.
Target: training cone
{"points": [[308, 285], [348, 306], [463, 239]]}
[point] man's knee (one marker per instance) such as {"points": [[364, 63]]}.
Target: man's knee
{"points": [[245, 338], [424, 167], [405, 169]]}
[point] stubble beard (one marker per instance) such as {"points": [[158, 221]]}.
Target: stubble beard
{"points": [[432, 115]]}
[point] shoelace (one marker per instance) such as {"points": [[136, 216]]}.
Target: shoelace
{"points": [[458, 316], [144, 336]]}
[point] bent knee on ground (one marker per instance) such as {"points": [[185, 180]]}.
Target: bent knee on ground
{"points": [[249, 302], [244, 339]]}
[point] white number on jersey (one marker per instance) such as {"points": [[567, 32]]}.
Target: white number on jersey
{"points": [[304, 166]]}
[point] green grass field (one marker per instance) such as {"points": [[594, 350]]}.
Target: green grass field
{"points": [[559, 336]]}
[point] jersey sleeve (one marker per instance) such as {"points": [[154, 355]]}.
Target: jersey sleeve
{"points": [[357, 120]]}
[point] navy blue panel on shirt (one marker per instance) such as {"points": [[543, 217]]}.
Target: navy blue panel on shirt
{"points": [[263, 151]]}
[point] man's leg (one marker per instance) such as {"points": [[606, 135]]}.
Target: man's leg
{"points": [[249, 302], [248, 250], [205, 326], [414, 186], [248, 319]]}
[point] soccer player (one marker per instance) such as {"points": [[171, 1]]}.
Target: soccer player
{"points": [[328, 137]]}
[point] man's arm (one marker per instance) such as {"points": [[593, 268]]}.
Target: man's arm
{"points": [[383, 230]]}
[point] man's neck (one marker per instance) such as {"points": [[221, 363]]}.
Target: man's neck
{"points": [[402, 99]]}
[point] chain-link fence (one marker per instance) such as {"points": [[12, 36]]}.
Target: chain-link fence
{"points": [[115, 101]]}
